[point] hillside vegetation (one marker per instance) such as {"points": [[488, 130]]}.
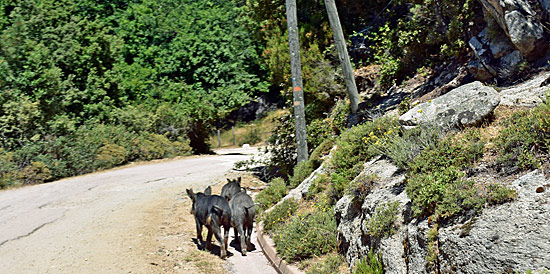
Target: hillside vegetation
{"points": [[88, 85], [436, 165]]}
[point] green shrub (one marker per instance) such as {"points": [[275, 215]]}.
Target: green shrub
{"points": [[8, 170], [356, 146], [404, 147], [436, 183], [317, 132], [459, 153], [318, 185], [279, 214], [338, 116], [272, 194], [319, 153], [443, 193], [372, 264], [281, 147], [498, 194], [525, 140], [382, 223], [35, 173], [111, 155], [361, 186], [306, 235], [301, 171]]}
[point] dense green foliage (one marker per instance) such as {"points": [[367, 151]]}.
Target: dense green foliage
{"points": [[382, 222], [372, 264], [436, 183], [355, 147], [279, 214], [87, 85], [318, 227], [272, 194], [525, 141]]}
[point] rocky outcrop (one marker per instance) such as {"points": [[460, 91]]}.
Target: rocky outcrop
{"points": [[527, 94], [514, 36], [502, 239], [463, 106], [519, 20], [505, 238], [353, 214]]}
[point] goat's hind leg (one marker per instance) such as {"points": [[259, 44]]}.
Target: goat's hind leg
{"points": [[199, 234], [222, 241]]}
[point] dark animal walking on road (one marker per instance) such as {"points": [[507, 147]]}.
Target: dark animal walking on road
{"points": [[242, 219], [232, 187], [211, 211]]}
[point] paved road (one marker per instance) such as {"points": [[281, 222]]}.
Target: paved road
{"points": [[93, 223]]}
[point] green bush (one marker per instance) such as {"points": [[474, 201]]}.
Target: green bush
{"points": [[372, 264], [281, 147], [36, 172], [279, 214], [8, 170], [498, 194], [306, 235], [301, 171], [402, 148], [382, 223], [338, 117], [272, 194], [525, 140], [356, 146], [318, 185], [110, 155], [319, 153], [459, 153], [318, 131], [436, 183], [88, 148], [361, 186]]}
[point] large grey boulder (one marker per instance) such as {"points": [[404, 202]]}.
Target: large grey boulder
{"points": [[520, 23], [527, 94], [506, 238], [463, 106]]}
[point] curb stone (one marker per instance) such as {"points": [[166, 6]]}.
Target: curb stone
{"points": [[268, 247]]}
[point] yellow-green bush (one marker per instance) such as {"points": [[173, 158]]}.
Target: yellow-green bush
{"points": [[36, 172], [279, 214], [306, 235], [272, 194]]}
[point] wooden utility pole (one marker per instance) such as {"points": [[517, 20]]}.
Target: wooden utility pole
{"points": [[343, 54], [297, 86]]}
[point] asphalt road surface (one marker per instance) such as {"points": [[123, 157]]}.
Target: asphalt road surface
{"points": [[133, 219]]}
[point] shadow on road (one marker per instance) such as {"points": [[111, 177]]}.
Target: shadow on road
{"points": [[215, 250]]}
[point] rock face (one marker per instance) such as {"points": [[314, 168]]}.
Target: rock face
{"points": [[510, 237], [527, 94], [353, 215], [513, 36], [521, 23], [463, 106]]}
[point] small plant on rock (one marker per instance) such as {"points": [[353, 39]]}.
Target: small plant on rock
{"points": [[382, 223]]}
